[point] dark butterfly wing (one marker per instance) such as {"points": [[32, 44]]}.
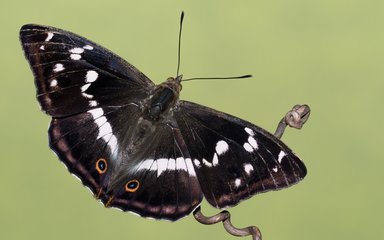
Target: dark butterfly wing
{"points": [[73, 74], [94, 98], [234, 159], [170, 188], [158, 181]]}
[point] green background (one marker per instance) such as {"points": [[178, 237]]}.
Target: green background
{"points": [[328, 54]]}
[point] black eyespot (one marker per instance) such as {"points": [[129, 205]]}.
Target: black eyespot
{"points": [[101, 165], [132, 185]]}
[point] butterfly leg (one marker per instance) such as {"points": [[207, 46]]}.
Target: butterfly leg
{"points": [[294, 118], [225, 217]]}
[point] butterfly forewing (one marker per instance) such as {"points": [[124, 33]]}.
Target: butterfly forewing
{"points": [[94, 97], [234, 159], [73, 74]]}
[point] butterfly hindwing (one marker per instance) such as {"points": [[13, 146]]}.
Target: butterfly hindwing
{"points": [[234, 159], [164, 183], [170, 189], [73, 74]]}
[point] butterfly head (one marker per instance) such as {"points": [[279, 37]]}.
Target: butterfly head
{"points": [[174, 83]]}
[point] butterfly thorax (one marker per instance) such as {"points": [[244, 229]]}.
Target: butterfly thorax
{"points": [[162, 99], [156, 111]]}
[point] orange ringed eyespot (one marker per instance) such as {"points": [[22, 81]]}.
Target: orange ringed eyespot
{"points": [[132, 185], [101, 166]]}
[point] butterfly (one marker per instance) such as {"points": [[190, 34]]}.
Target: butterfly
{"points": [[135, 145]]}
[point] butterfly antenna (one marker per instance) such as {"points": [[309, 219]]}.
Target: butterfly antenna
{"points": [[178, 50], [215, 78]]}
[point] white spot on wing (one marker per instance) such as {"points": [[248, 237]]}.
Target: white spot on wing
{"points": [[104, 128], [275, 169], [153, 166], [221, 147], [215, 160], [42, 47], [248, 168], [96, 113], [251, 145], [89, 96], [180, 164], [281, 156], [53, 83], [197, 162], [58, 67], [206, 163], [253, 142], [85, 87], [112, 143], [88, 47], [111, 140], [91, 76], [191, 169], [237, 182], [146, 164], [248, 147], [76, 50], [249, 131], [162, 164], [49, 36], [75, 56], [171, 164], [92, 103]]}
